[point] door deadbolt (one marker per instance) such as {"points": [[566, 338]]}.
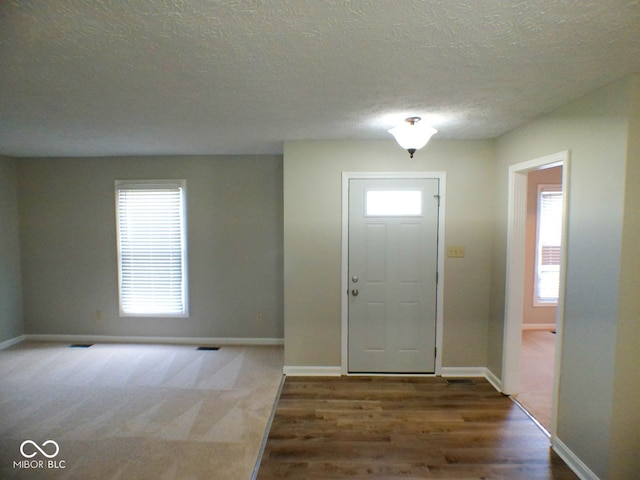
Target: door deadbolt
{"points": [[355, 279]]}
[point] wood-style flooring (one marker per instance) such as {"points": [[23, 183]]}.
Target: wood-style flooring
{"points": [[536, 374], [403, 427]]}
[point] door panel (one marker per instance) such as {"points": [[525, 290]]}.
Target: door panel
{"points": [[375, 332], [409, 268], [392, 277], [376, 241]]}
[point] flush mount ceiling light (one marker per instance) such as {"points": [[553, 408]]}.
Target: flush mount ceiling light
{"points": [[412, 135]]}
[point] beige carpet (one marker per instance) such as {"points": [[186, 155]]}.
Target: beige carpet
{"points": [[135, 411]]}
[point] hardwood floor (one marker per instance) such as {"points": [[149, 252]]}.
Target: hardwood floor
{"points": [[403, 427]]}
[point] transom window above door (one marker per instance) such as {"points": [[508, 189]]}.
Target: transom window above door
{"points": [[393, 203]]}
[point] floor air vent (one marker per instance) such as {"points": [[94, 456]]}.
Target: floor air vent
{"points": [[208, 349], [81, 345], [459, 381]]}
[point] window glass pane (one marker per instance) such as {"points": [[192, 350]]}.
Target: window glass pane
{"points": [[550, 218], [548, 285], [548, 245], [151, 249], [387, 203]]}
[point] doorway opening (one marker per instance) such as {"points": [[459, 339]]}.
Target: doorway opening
{"points": [[543, 246], [531, 349]]}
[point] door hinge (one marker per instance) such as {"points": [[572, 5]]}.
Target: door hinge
{"points": [[438, 198], [435, 352], [437, 276]]}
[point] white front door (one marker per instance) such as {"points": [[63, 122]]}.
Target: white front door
{"points": [[393, 259]]}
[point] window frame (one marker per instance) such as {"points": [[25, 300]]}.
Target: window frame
{"points": [[150, 185], [537, 300]]}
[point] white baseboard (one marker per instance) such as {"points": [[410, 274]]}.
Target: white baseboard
{"points": [[157, 340], [310, 371], [572, 460], [302, 371], [463, 371], [493, 380], [12, 341], [539, 326], [473, 372]]}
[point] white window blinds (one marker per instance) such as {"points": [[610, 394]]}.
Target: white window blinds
{"points": [[152, 257], [548, 246]]}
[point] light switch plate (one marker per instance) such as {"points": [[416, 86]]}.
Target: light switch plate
{"points": [[455, 251]]}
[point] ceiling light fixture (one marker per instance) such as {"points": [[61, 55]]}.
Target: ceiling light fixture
{"points": [[412, 135]]}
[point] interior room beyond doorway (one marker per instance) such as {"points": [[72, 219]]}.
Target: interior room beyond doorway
{"points": [[543, 233]]}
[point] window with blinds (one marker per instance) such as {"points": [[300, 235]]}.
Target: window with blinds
{"points": [[152, 253], [548, 245]]}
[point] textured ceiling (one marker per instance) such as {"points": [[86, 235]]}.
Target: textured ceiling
{"points": [[142, 77]]}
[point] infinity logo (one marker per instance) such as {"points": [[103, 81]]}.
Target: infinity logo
{"points": [[35, 445]]}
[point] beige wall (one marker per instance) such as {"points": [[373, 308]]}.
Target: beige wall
{"points": [[312, 239], [595, 130], [234, 216], [11, 324], [532, 314], [625, 461]]}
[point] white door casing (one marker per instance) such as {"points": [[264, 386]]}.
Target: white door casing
{"points": [[392, 276], [514, 289]]}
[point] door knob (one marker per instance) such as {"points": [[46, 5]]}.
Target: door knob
{"points": [[354, 292]]}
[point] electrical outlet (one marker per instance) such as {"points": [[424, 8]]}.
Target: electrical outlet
{"points": [[455, 251]]}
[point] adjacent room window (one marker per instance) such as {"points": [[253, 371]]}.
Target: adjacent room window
{"points": [[548, 245], [152, 249]]}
